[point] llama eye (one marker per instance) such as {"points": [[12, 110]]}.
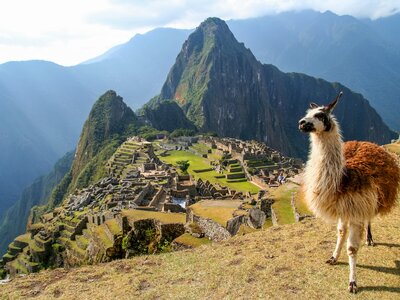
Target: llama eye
{"points": [[320, 116]]}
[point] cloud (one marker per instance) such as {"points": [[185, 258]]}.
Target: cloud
{"points": [[124, 14], [68, 32]]}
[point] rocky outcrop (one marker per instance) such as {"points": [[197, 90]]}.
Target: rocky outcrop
{"points": [[166, 115]]}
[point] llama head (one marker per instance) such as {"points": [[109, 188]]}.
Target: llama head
{"points": [[318, 118]]}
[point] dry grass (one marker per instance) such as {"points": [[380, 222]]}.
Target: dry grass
{"points": [[284, 262], [189, 240], [165, 218], [219, 211]]}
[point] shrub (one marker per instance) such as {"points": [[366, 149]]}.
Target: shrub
{"points": [[3, 273], [182, 132], [183, 165]]}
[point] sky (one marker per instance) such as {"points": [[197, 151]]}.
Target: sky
{"points": [[69, 32]]}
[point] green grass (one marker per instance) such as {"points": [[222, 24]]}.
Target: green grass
{"points": [[113, 226], [282, 206], [19, 266], [301, 204], [8, 255], [200, 148], [27, 239], [189, 240], [198, 163], [165, 218], [12, 246], [99, 231]]}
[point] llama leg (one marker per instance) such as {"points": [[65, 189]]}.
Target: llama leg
{"points": [[370, 241], [353, 244], [341, 236]]}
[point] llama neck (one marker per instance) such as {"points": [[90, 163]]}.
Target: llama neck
{"points": [[326, 163]]}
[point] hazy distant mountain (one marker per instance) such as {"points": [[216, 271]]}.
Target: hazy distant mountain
{"points": [[15, 219], [222, 88], [41, 109], [43, 105], [388, 28], [135, 69], [361, 54]]}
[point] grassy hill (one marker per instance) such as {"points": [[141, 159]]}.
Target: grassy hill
{"points": [[283, 262]]}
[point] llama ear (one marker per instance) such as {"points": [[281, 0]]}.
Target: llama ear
{"points": [[313, 105], [329, 108]]}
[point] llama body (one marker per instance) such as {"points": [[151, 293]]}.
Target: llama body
{"points": [[346, 182]]}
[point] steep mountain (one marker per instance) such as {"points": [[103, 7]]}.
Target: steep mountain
{"points": [[135, 69], [14, 220], [361, 54], [165, 115], [109, 123], [221, 87], [43, 105], [388, 28]]}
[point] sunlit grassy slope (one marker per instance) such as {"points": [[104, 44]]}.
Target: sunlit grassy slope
{"points": [[284, 262], [199, 163]]}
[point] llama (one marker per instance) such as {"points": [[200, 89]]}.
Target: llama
{"points": [[346, 182]]}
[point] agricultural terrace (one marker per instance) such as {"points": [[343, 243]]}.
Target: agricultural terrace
{"points": [[218, 210], [282, 206], [198, 163]]}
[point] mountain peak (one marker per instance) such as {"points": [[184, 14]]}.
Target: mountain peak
{"points": [[213, 23], [109, 117]]}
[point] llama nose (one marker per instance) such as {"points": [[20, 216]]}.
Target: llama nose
{"points": [[302, 122]]}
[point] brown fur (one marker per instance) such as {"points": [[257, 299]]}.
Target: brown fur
{"points": [[366, 164]]}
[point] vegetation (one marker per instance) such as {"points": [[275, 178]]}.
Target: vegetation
{"points": [[182, 132], [189, 240], [14, 221], [165, 218], [284, 262], [183, 165], [150, 134], [57, 248], [199, 163], [219, 210], [3, 273], [282, 206], [394, 147]]}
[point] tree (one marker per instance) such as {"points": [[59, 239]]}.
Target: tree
{"points": [[183, 165]]}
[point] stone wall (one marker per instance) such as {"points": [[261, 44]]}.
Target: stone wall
{"points": [[211, 229], [139, 197], [157, 198], [297, 216], [274, 218], [172, 207]]}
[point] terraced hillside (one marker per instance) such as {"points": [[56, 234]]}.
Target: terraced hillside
{"points": [[138, 208], [282, 262]]}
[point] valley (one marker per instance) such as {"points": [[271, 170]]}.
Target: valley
{"points": [[146, 205], [198, 193]]}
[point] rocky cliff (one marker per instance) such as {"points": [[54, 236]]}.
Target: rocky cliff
{"points": [[110, 119], [165, 115], [221, 87]]}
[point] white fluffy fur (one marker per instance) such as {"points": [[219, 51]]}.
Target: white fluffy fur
{"points": [[323, 175]]}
